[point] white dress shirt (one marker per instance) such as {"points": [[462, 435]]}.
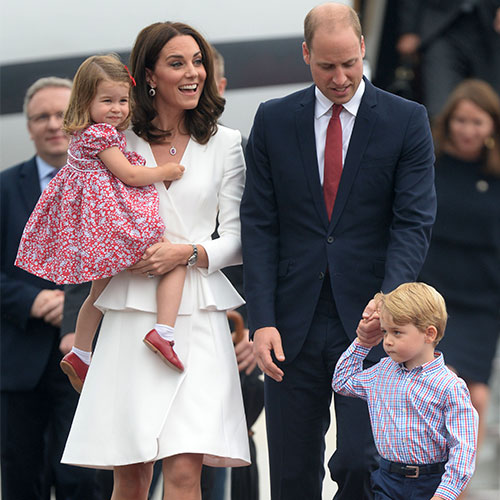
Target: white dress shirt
{"points": [[45, 172], [322, 115]]}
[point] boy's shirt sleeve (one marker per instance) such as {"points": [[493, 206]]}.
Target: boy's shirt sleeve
{"points": [[349, 378], [461, 422]]}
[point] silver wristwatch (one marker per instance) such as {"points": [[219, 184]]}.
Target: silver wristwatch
{"points": [[194, 257]]}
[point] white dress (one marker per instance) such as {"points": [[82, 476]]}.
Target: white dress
{"points": [[133, 407]]}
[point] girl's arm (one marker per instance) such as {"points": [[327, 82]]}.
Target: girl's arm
{"points": [[138, 175]]}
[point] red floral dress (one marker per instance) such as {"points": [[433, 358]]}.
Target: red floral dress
{"points": [[88, 224]]}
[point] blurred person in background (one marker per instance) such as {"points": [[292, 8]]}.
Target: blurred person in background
{"points": [[453, 39]]}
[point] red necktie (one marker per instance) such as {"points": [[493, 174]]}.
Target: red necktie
{"points": [[333, 159]]}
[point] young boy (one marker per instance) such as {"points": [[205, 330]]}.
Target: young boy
{"points": [[423, 422]]}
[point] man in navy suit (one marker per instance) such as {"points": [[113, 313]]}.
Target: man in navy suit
{"points": [[310, 275], [37, 401]]}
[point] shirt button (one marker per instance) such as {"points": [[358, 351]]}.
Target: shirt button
{"points": [[330, 239], [321, 275]]}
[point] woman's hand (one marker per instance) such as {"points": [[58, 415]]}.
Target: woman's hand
{"points": [[161, 258]]}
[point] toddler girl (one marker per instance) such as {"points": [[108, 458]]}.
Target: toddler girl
{"points": [[100, 212]]}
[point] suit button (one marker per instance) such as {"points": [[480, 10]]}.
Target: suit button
{"points": [[330, 239], [321, 275]]}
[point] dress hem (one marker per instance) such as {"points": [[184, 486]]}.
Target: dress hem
{"points": [[208, 459]]}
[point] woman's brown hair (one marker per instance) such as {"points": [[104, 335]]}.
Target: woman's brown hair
{"points": [[91, 72], [200, 122], [482, 95]]}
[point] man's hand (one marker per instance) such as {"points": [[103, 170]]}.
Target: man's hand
{"points": [[368, 331], [48, 305], [245, 355], [266, 340], [67, 342]]}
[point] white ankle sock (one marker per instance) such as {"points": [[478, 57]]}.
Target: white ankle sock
{"points": [[83, 355], [165, 332]]}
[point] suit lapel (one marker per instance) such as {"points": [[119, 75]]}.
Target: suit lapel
{"points": [[363, 126], [29, 184], [304, 123]]}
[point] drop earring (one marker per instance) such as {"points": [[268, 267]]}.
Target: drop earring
{"points": [[152, 91]]}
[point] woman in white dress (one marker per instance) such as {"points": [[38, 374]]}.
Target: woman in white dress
{"points": [[133, 409]]}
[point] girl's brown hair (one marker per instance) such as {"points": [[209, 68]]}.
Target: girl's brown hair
{"points": [[91, 72], [200, 122], [482, 95]]}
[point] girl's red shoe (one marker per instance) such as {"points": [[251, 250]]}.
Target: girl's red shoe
{"points": [[75, 369], [164, 349]]}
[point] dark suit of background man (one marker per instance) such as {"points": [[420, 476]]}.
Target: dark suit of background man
{"points": [[307, 279], [37, 402], [456, 39]]}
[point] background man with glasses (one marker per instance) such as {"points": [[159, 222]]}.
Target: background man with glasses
{"points": [[37, 402]]}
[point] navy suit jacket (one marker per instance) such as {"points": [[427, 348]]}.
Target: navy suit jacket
{"points": [[25, 342], [381, 222], [431, 18]]}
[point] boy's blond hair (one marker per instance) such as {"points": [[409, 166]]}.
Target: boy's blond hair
{"points": [[92, 71], [416, 303]]}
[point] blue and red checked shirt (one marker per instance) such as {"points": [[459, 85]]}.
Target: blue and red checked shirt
{"points": [[418, 416]]}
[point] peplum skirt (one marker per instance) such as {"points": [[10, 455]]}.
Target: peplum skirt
{"points": [[134, 408]]}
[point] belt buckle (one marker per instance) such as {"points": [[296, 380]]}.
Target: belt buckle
{"points": [[415, 471]]}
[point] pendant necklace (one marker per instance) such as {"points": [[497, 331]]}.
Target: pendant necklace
{"points": [[172, 151]]}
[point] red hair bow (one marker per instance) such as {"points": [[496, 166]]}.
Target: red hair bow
{"points": [[131, 77]]}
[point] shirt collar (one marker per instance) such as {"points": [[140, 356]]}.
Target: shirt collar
{"points": [[324, 105], [435, 365], [45, 171], [428, 368]]}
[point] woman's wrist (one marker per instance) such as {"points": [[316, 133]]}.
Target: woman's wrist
{"points": [[185, 251], [193, 258]]}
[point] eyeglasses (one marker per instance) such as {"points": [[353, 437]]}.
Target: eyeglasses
{"points": [[44, 118]]}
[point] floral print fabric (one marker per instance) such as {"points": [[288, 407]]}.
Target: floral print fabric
{"points": [[87, 223]]}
